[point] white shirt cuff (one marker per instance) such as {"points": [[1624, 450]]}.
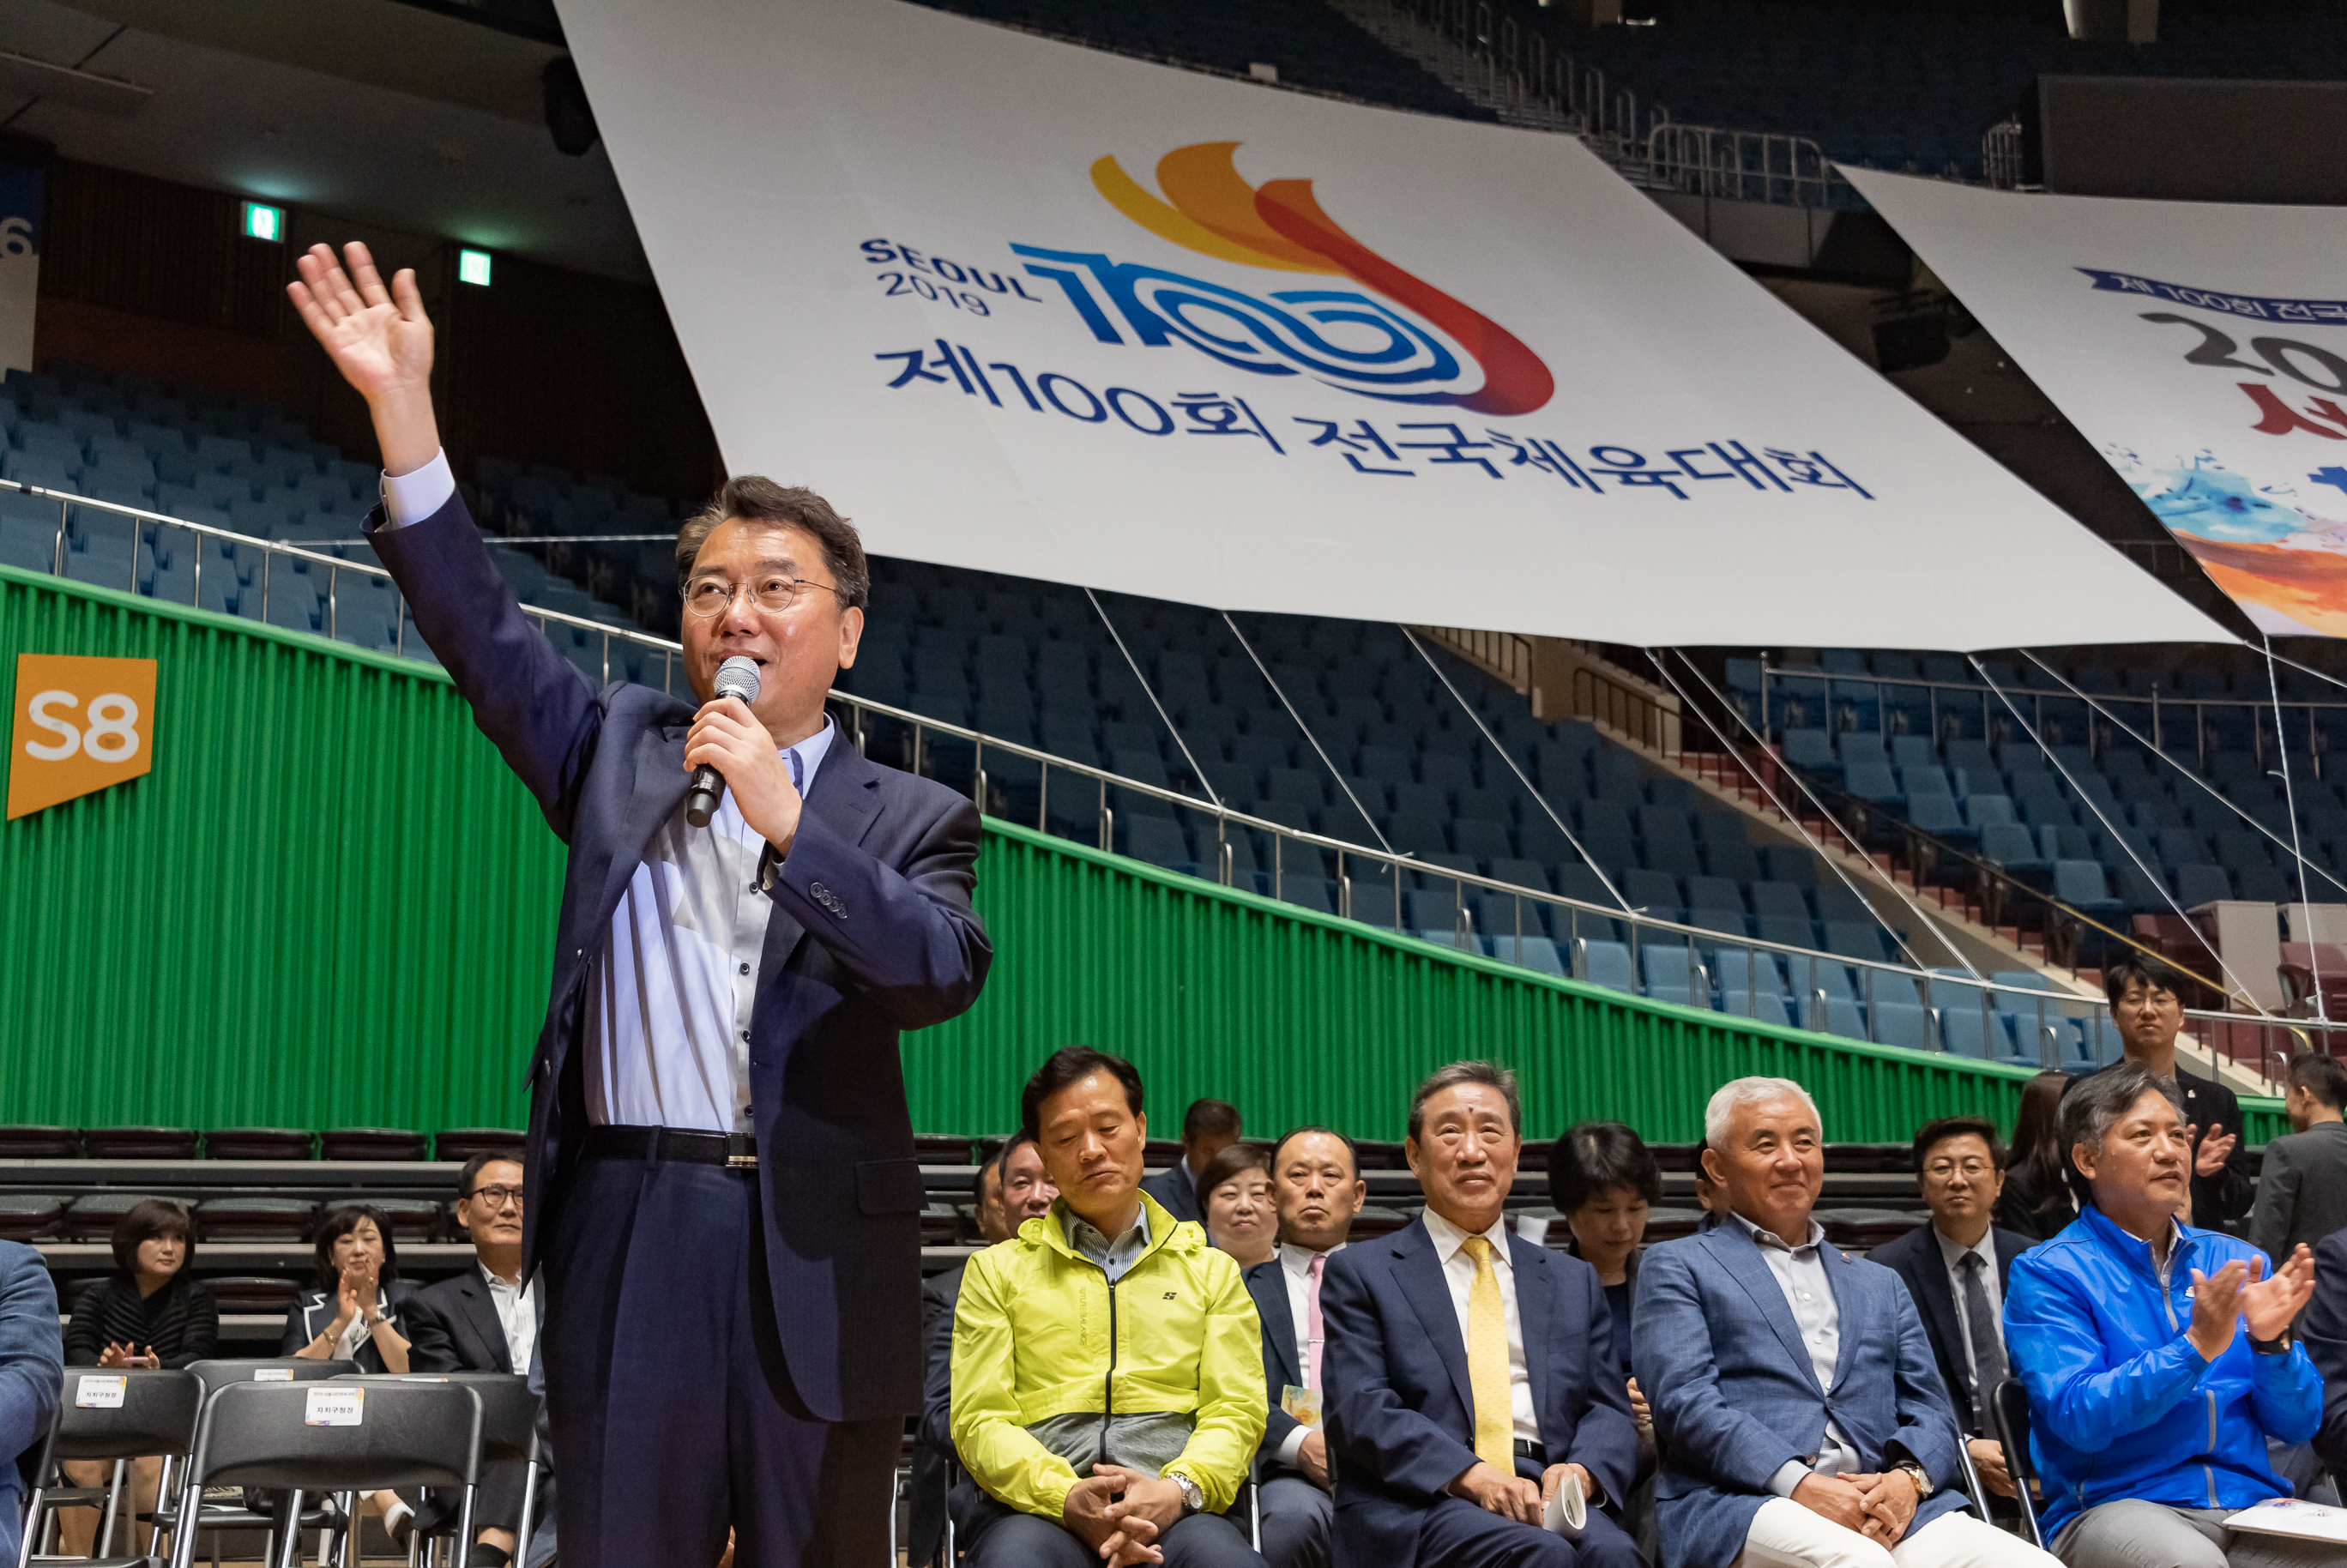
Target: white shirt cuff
{"points": [[1790, 1474], [1294, 1445], [412, 498]]}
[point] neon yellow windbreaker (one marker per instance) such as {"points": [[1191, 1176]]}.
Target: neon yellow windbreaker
{"points": [[1032, 1340]]}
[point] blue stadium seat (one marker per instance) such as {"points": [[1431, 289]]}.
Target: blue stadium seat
{"points": [[1374, 903], [1742, 969], [2080, 885], [1762, 1007], [1654, 894], [1607, 964], [1831, 1015], [1872, 783], [1481, 841], [1528, 952], [1856, 939], [1907, 1024]]}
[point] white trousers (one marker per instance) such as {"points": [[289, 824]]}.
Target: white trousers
{"points": [[1783, 1534]]}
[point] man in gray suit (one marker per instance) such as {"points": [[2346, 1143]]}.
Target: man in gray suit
{"points": [[1794, 1396], [2302, 1192]]}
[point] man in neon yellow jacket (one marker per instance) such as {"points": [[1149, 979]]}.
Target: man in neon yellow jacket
{"points": [[1107, 1362]]}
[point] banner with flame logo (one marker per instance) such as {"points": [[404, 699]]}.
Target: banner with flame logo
{"points": [[1029, 308]]}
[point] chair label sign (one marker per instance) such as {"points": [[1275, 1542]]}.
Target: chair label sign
{"points": [[91, 1393], [272, 1374], [80, 725], [334, 1407]]}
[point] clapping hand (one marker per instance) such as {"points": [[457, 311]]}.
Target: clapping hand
{"points": [[128, 1358], [2272, 1304], [2209, 1159], [356, 1293]]}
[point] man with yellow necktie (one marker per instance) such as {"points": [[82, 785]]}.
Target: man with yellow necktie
{"points": [[1464, 1378]]}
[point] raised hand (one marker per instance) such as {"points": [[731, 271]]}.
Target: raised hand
{"points": [[2208, 1160], [2272, 1304], [2216, 1309], [381, 342]]}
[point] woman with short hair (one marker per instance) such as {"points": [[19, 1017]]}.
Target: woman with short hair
{"points": [[1234, 1203], [353, 1313]]}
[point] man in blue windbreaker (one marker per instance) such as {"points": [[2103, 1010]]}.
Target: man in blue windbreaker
{"points": [[2159, 1356]]}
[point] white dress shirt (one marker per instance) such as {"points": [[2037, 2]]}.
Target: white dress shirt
{"points": [[1458, 1273], [517, 1305], [1952, 1254], [669, 992], [1801, 1274], [1296, 1268]]}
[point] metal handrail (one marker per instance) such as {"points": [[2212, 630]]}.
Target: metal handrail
{"points": [[1581, 922]]}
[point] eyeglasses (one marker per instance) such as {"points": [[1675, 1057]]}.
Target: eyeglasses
{"points": [[497, 1197], [1942, 1169], [712, 595]]}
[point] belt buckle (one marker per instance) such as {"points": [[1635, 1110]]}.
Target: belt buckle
{"points": [[741, 1162]]}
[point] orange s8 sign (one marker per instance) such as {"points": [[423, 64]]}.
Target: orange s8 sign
{"points": [[80, 725]]}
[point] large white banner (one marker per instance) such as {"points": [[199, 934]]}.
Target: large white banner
{"points": [[1018, 305], [2201, 346]]}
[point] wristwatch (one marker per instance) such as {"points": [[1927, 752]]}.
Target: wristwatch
{"points": [[2276, 1346], [1192, 1500], [1916, 1474]]}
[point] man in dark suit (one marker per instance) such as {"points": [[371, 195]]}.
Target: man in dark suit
{"points": [[2149, 1016], [1317, 1188], [1465, 1378], [1208, 1127], [719, 1142], [1799, 1417], [2303, 1188], [1012, 1188], [1955, 1268], [2323, 1327], [484, 1319], [31, 1371]]}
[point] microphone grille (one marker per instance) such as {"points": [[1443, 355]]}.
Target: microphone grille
{"points": [[738, 677]]}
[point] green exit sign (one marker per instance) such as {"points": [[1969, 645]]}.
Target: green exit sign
{"points": [[262, 221], [473, 267]]}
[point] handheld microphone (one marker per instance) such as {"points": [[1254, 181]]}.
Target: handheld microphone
{"points": [[737, 677]]}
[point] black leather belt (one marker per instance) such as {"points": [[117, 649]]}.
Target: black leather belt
{"points": [[736, 1151], [1536, 1452]]}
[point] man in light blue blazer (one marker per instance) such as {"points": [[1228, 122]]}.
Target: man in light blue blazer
{"points": [[31, 1371], [1796, 1404]]}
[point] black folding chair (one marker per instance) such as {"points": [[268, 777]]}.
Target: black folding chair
{"points": [[110, 1415], [346, 1436], [509, 1436], [212, 1517], [2010, 1405]]}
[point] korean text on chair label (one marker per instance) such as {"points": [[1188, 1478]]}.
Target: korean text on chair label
{"points": [[99, 1393], [272, 1374], [334, 1407]]}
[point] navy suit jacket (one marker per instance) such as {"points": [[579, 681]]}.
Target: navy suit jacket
{"points": [[2324, 1330], [32, 1373], [1267, 1283], [1915, 1259], [892, 944], [1175, 1193], [453, 1326], [1397, 1404], [1728, 1379]]}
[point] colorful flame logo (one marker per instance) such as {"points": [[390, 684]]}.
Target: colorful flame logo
{"points": [[1209, 208]]}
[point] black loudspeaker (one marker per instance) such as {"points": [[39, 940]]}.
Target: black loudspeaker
{"points": [[569, 115], [1911, 342]]}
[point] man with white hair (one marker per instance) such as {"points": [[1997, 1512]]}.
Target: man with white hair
{"points": [[1795, 1403]]}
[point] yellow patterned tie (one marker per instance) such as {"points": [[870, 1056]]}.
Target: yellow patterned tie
{"points": [[1487, 1362]]}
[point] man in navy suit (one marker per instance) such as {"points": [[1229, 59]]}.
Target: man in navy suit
{"points": [[32, 1373], [1465, 1375], [1798, 1414], [719, 1140], [1317, 1188], [1208, 1127], [1955, 1270]]}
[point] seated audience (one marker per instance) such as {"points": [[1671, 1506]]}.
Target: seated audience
{"points": [[30, 1378], [2149, 1016], [2303, 1185], [1208, 1127], [1956, 1270], [1799, 1417], [484, 1319], [355, 1311], [2037, 1202], [1235, 1204], [1467, 1370], [2152, 1404], [1603, 1181], [1319, 1190], [151, 1311], [2324, 1330], [1085, 1442], [1012, 1188]]}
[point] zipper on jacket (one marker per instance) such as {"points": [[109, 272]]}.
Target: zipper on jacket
{"points": [[2209, 1470], [1108, 1384]]}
